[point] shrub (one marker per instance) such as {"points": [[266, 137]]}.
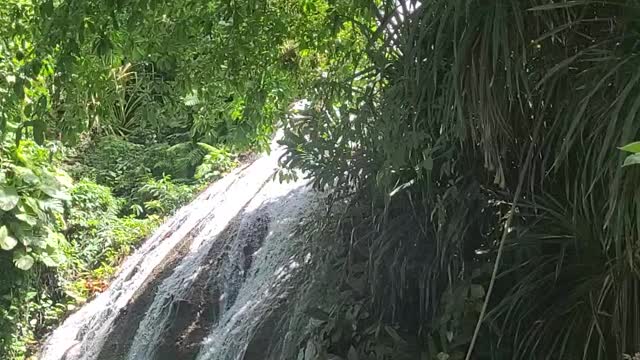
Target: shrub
{"points": [[32, 197], [161, 196], [178, 161], [118, 164], [90, 200], [511, 97], [216, 163], [30, 305], [93, 210], [127, 232]]}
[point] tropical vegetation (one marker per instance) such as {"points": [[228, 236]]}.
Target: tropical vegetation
{"points": [[478, 149], [105, 130], [477, 153]]}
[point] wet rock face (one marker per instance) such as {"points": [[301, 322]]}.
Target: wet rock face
{"points": [[253, 237], [230, 261], [120, 338], [239, 259]]}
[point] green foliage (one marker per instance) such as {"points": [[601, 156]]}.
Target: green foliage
{"points": [[633, 148], [130, 95], [124, 166], [116, 163], [162, 196], [98, 231], [88, 198], [459, 130], [25, 74], [28, 309], [461, 110], [221, 71], [32, 196], [179, 161], [97, 240], [93, 211], [216, 163]]}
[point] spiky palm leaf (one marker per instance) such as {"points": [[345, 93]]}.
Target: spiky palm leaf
{"points": [[530, 99]]}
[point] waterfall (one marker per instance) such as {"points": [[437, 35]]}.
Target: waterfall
{"points": [[205, 282]]}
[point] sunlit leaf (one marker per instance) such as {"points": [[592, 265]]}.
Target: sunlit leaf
{"points": [[48, 260], [23, 261], [632, 160], [27, 175], [632, 148], [8, 198], [6, 241], [26, 218]]}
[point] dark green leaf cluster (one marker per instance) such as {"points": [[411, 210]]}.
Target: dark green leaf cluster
{"points": [[476, 128], [32, 198]]}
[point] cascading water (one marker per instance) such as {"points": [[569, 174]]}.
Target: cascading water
{"points": [[203, 286]]}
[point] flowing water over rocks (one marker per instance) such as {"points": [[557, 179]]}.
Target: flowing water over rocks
{"points": [[211, 283]]}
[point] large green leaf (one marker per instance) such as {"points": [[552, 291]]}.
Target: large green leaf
{"points": [[52, 185], [23, 261], [28, 219], [634, 147], [49, 260], [35, 206], [7, 242], [8, 198], [632, 160], [54, 191], [33, 240], [53, 204], [63, 179]]}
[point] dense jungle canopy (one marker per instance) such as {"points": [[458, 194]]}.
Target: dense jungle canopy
{"points": [[481, 154]]}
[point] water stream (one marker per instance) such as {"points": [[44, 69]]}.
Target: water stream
{"points": [[204, 285]]}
